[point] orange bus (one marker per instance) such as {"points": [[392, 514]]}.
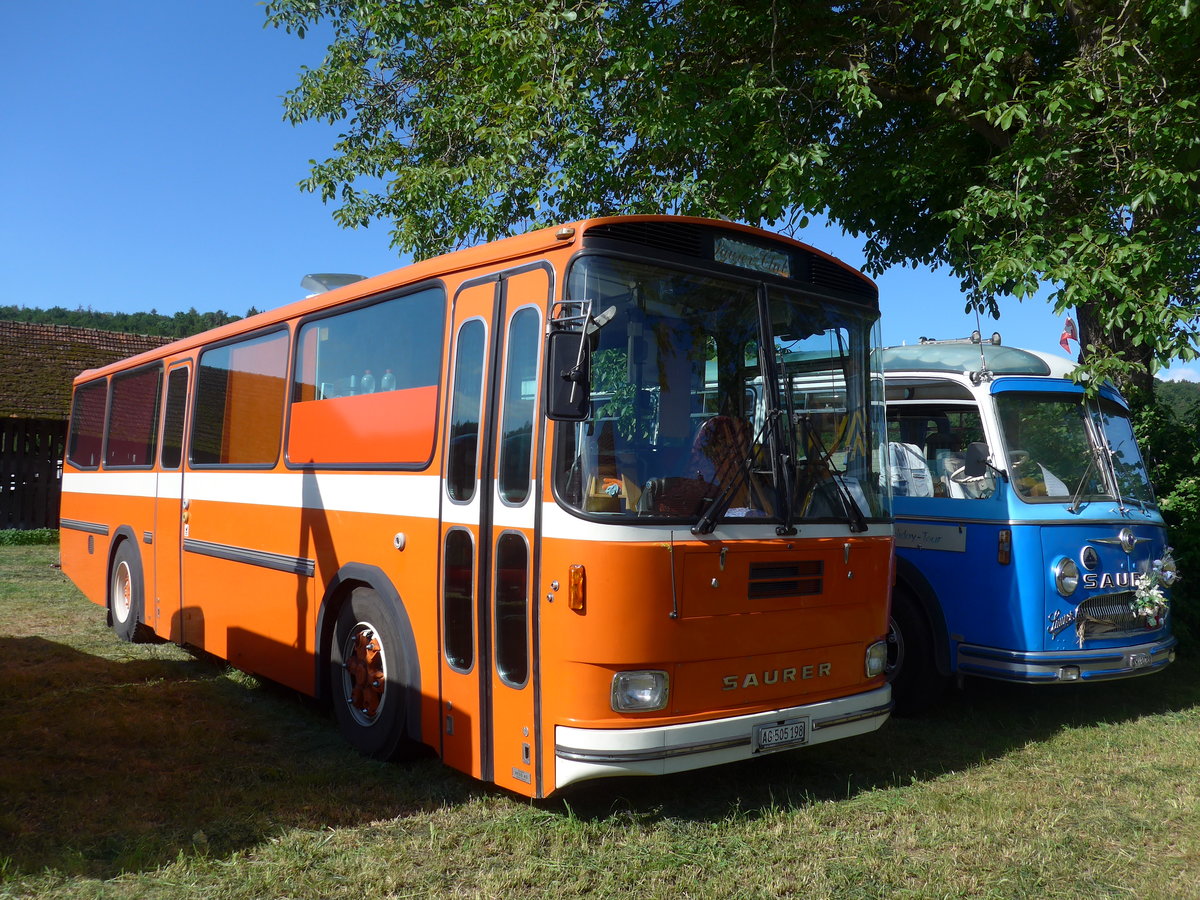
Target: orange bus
{"points": [[601, 499]]}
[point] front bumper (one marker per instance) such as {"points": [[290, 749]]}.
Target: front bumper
{"points": [[1057, 666], [584, 753]]}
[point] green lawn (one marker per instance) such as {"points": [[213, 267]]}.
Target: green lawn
{"points": [[142, 771]]}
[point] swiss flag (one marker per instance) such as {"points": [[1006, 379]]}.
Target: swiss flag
{"points": [[1068, 335]]}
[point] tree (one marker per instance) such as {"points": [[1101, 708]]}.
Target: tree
{"points": [[1020, 143]]}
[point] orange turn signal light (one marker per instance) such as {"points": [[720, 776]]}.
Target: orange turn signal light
{"points": [[1004, 547], [576, 588]]}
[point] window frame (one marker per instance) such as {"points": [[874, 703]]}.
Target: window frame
{"points": [[269, 331]]}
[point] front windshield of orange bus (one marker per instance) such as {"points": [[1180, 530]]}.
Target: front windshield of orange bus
{"points": [[690, 418]]}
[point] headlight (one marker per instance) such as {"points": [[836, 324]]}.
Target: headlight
{"points": [[876, 660], [1167, 570], [1066, 576], [639, 691]]}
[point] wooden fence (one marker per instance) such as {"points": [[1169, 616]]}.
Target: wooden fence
{"points": [[31, 452]]}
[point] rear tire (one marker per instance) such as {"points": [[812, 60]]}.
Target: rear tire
{"points": [[126, 596], [912, 670], [366, 677]]}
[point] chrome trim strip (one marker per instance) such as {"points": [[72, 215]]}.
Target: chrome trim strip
{"points": [[620, 756], [873, 712], [1009, 523], [296, 565], [78, 525]]}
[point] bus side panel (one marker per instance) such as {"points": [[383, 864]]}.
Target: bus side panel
{"points": [[84, 555], [133, 509], [243, 598]]}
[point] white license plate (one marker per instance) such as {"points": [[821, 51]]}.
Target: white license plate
{"points": [[1138, 660], [781, 735]]}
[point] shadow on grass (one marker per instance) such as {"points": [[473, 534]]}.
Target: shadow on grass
{"points": [[113, 766], [984, 720]]}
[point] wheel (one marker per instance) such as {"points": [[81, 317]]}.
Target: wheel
{"points": [[911, 666], [370, 696], [126, 596]]}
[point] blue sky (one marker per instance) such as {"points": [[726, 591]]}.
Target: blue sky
{"points": [[146, 165]]}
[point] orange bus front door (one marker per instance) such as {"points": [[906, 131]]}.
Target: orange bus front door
{"points": [[489, 546]]}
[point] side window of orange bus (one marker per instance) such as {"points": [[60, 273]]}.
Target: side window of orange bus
{"points": [[520, 393], [366, 382], [172, 439], [467, 406], [87, 424], [133, 418], [240, 390]]}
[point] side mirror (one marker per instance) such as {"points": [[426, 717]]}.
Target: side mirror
{"points": [[975, 464], [568, 376]]}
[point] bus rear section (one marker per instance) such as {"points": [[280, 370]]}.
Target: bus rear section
{"points": [[1030, 548], [603, 499]]}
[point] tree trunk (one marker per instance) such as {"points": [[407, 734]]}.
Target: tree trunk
{"points": [[1137, 385]]}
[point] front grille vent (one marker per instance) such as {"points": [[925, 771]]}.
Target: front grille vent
{"points": [[1106, 615], [674, 237], [797, 579]]}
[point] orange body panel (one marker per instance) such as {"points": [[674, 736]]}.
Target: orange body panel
{"points": [[393, 427]]}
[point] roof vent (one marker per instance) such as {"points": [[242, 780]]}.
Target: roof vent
{"points": [[320, 282]]}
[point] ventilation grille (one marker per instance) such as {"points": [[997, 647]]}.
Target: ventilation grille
{"points": [[1107, 615], [798, 579], [828, 274], [677, 237]]}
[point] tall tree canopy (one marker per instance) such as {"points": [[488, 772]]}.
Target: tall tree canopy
{"points": [[1020, 143]]}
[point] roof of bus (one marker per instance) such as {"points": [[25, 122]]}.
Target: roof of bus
{"points": [[503, 250], [965, 356]]}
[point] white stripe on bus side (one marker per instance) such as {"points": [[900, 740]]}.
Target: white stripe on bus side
{"points": [[387, 494]]}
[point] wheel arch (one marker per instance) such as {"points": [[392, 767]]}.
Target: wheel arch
{"points": [[910, 579], [347, 578], [121, 534]]}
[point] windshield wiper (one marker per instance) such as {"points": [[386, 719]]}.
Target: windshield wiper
{"points": [[854, 514], [708, 520], [1077, 494]]}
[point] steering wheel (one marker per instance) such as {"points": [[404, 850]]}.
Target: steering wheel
{"points": [[959, 476], [1018, 458]]}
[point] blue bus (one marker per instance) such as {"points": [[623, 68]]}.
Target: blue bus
{"points": [[1029, 546]]}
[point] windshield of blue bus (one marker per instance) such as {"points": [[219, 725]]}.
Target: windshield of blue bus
{"points": [[1133, 481], [686, 418], [1062, 449]]}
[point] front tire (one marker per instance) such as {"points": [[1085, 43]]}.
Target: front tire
{"points": [[127, 596], [367, 685], [912, 669]]}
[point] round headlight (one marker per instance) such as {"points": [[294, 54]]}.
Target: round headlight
{"points": [[1066, 576]]}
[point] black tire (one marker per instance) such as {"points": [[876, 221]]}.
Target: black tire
{"points": [[912, 669], [127, 596], [366, 677]]}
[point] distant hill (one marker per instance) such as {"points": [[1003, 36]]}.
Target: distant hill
{"points": [[1183, 398], [182, 324]]}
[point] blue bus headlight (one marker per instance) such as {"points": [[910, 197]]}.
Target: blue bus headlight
{"points": [[639, 691], [1066, 576]]}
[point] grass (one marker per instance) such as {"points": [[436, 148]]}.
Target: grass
{"points": [[143, 771]]}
